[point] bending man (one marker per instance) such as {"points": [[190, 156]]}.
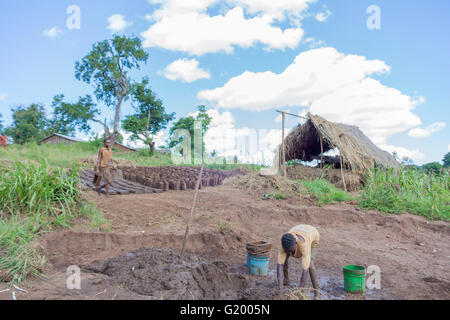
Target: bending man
{"points": [[299, 242]]}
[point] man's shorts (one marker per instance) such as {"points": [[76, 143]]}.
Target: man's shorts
{"points": [[106, 175]]}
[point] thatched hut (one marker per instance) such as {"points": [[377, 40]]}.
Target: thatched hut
{"points": [[356, 149]]}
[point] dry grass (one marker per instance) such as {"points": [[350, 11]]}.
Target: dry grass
{"points": [[357, 151]]}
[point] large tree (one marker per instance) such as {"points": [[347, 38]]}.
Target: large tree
{"points": [[68, 117], [187, 123], [1, 123], [107, 66], [446, 160], [29, 124], [149, 117]]}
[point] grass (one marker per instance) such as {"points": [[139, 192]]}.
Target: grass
{"points": [[408, 190], [324, 192], [278, 196], [35, 199], [56, 155], [225, 226]]}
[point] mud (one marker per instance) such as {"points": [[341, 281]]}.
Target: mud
{"points": [[159, 274]]}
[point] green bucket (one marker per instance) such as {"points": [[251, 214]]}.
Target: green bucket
{"points": [[354, 279]]}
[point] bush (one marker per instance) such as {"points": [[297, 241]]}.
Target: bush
{"points": [[33, 199], [408, 190], [325, 192]]}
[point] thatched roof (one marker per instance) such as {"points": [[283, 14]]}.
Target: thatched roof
{"points": [[356, 149]]}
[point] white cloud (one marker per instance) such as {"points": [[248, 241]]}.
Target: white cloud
{"points": [[448, 148], [314, 43], [279, 9], [323, 16], [427, 131], [186, 26], [117, 23], [248, 144], [185, 70], [416, 155], [334, 85], [52, 32], [3, 96]]}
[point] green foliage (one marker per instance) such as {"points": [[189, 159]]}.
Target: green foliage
{"points": [[68, 117], [408, 190], [187, 123], [278, 196], [432, 167], [446, 160], [1, 124], [149, 117], [325, 192], [29, 124], [33, 199], [107, 66], [28, 189]]}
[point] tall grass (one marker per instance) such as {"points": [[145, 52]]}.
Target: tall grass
{"points": [[57, 155], [324, 192], [34, 199], [408, 190]]}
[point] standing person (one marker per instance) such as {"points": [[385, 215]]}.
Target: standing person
{"points": [[299, 242], [3, 139], [104, 165]]}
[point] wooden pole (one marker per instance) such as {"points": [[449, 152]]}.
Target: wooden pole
{"points": [[342, 173], [283, 155], [321, 152], [192, 211]]}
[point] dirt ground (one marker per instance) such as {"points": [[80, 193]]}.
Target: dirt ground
{"points": [[138, 258]]}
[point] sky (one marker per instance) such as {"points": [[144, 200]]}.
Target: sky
{"points": [[380, 65]]}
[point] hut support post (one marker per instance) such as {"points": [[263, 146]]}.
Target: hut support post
{"points": [[342, 172], [321, 152], [283, 155]]}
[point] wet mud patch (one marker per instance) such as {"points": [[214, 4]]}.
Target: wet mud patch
{"points": [[160, 274]]}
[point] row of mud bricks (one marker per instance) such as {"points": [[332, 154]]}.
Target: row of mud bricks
{"points": [[174, 178]]}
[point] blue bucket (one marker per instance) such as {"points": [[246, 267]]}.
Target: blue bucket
{"points": [[259, 266]]}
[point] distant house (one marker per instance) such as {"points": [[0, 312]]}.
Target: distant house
{"points": [[56, 138]]}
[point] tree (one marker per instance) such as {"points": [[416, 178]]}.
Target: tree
{"points": [[432, 167], [149, 117], [1, 123], [68, 117], [108, 66], [187, 123], [29, 124], [446, 160]]}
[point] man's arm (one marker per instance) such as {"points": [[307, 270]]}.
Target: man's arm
{"points": [[97, 167], [280, 275], [303, 275]]}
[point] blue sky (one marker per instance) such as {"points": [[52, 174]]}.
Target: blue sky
{"points": [[244, 59]]}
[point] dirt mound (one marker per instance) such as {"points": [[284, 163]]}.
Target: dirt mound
{"points": [[353, 180], [268, 184], [69, 247], [159, 274]]}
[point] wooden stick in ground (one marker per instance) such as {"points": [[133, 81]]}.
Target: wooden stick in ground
{"points": [[283, 155], [342, 173], [192, 211]]}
